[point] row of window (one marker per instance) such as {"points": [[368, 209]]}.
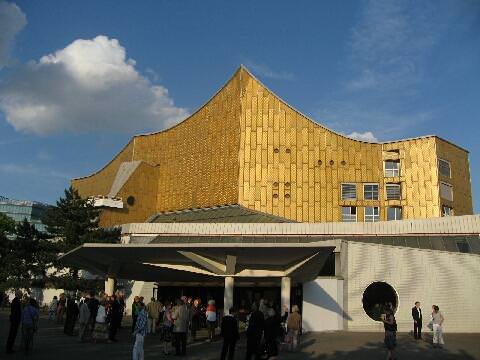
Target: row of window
{"points": [[392, 168], [393, 191], [371, 214]]}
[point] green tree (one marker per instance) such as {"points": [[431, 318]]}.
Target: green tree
{"points": [[71, 223], [7, 229]]}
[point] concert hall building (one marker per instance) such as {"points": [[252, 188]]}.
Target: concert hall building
{"points": [[249, 198]]}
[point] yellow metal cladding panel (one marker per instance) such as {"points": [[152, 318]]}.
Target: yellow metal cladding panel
{"points": [[315, 161], [142, 186], [100, 182], [247, 146], [460, 177]]}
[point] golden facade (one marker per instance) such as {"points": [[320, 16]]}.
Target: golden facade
{"points": [[246, 146]]}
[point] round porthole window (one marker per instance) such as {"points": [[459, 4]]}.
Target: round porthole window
{"points": [[131, 200], [377, 297]]}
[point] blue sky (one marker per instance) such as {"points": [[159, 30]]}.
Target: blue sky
{"points": [[79, 78]]}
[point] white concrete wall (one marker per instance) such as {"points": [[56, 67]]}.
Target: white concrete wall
{"points": [[449, 280], [323, 305]]}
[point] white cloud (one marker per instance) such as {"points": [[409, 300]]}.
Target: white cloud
{"points": [[265, 71], [12, 20], [89, 86], [366, 136]]}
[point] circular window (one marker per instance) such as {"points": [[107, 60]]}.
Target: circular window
{"points": [[377, 297], [332, 162], [276, 150], [319, 162], [130, 200]]}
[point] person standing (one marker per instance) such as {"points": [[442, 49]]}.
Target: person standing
{"points": [[195, 325], [52, 309], [211, 316], [167, 328], [390, 326], [294, 326], [29, 324], [153, 311], [437, 323], [135, 306], [180, 318], [417, 321], [93, 305], [141, 328], [272, 331], [100, 329], [114, 313], [61, 308], [72, 315], [83, 319], [256, 324], [15, 318], [229, 331]]}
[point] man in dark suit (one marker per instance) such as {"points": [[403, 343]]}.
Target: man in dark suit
{"points": [[230, 335], [15, 317], [256, 325], [417, 321]]}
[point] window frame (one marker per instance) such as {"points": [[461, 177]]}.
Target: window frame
{"points": [[399, 192], [378, 191], [373, 215], [341, 191], [398, 208], [448, 185], [449, 168], [350, 207], [450, 211], [398, 169]]}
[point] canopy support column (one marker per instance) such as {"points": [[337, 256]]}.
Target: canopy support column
{"points": [[285, 290], [110, 286], [228, 295]]}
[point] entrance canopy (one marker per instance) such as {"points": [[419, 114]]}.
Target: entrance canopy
{"points": [[203, 262]]}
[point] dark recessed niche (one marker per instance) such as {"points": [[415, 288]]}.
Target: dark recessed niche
{"points": [[276, 151], [275, 184], [332, 162], [287, 184], [131, 200], [287, 151], [287, 196], [319, 162], [344, 162], [275, 196]]}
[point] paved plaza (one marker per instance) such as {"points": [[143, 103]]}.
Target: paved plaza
{"points": [[51, 343]]}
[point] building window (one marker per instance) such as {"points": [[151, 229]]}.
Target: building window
{"points": [[370, 191], [394, 213], [349, 192], [447, 211], [394, 191], [372, 214], [349, 214], [446, 191], [392, 168], [463, 246], [444, 168]]}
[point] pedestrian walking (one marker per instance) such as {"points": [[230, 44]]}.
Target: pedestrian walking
{"points": [[140, 331], [437, 326], [229, 332], [15, 319]]}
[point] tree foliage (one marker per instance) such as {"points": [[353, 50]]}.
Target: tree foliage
{"points": [[28, 257]]}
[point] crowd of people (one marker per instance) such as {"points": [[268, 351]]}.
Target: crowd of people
{"points": [[267, 329]]}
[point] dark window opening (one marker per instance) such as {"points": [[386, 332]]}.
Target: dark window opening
{"points": [[376, 297], [463, 247]]}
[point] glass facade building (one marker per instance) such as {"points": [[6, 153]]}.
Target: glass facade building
{"points": [[24, 209]]}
